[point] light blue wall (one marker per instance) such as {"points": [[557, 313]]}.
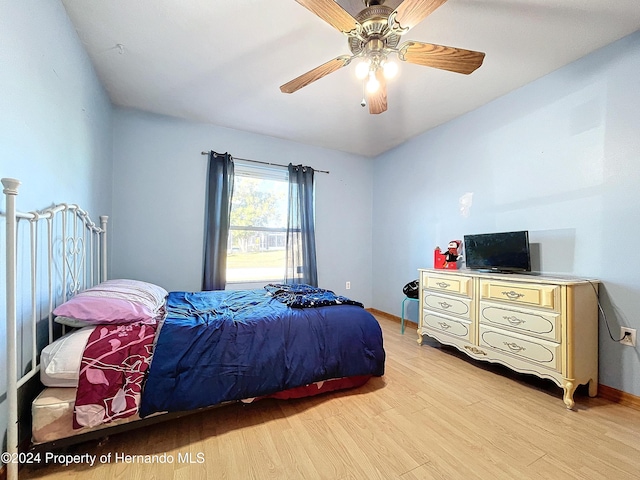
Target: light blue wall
{"points": [[55, 117], [55, 122], [559, 157], [158, 201]]}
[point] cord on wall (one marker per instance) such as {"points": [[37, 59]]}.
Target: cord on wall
{"points": [[604, 316]]}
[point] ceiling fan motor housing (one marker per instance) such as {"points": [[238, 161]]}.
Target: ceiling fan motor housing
{"points": [[374, 35]]}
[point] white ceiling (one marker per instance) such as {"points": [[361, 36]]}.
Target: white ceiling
{"points": [[223, 61]]}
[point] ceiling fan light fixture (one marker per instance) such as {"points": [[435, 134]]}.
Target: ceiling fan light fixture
{"points": [[362, 69], [372, 84], [389, 69]]}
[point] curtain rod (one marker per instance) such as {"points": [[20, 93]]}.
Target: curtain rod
{"points": [[265, 163]]}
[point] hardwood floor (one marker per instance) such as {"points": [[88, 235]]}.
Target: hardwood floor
{"points": [[434, 415]]}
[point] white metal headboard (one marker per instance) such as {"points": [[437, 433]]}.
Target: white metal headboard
{"points": [[76, 259]]}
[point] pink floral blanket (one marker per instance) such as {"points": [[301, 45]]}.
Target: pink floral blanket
{"points": [[111, 373]]}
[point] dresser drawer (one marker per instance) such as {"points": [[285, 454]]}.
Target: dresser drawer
{"points": [[448, 305], [453, 284], [532, 294], [540, 352], [542, 324], [447, 325]]}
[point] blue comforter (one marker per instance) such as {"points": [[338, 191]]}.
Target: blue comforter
{"points": [[229, 345]]}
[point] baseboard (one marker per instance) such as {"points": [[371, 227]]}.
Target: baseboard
{"points": [[384, 314], [605, 392], [389, 316], [618, 396]]}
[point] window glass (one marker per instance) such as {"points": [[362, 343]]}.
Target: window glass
{"points": [[257, 235]]}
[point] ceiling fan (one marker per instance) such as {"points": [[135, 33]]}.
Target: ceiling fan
{"points": [[373, 35]]}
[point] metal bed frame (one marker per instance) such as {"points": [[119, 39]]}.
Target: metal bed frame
{"points": [[76, 259]]}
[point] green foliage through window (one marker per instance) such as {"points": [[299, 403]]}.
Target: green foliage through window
{"points": [[257, 237]]}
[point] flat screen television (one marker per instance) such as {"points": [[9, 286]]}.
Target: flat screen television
{"points": [[498, 252]]}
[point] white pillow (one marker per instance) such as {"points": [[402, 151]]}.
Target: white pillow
{"points": [[60, 360], [71, 322]]}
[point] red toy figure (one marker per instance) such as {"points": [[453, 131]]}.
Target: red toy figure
{"points": [[449, 259]]}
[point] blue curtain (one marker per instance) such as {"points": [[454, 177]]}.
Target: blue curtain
{"points": [[216, 223], [301, 233]]}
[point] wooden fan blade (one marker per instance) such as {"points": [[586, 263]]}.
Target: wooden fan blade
{"points": [[378, 100], [332, 13], [315, 74], [438, 56], [411, 12]]}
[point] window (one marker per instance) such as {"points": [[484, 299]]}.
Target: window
{"points": [[258, 225]]}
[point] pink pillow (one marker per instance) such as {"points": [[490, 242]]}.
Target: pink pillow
{"points": [[116, 301]]}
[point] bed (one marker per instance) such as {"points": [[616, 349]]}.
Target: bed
{"points": [[130, 353]]}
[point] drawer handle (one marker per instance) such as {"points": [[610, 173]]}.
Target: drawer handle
{"points": [[514, 347], [444, 326], [514, 320], [445, 305], [475, 350], [513, 295], [443, 284]]}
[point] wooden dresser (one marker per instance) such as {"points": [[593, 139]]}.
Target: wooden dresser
{"points": [[543, 326]]}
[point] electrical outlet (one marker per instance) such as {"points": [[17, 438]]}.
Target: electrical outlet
{"points": [[628, 336], [348, 287]]}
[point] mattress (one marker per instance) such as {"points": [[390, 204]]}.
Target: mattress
{"points": [[52, 416], [52, 410]]}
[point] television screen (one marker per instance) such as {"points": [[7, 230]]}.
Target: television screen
{"points": [[504, 251]]}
